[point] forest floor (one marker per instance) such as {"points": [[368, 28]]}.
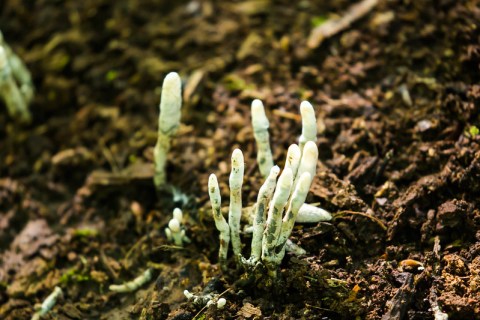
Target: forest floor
{"points": [[397, 100]]}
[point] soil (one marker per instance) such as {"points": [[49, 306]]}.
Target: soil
{"points": [[397, 99]]}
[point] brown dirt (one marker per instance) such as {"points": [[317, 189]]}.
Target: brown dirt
{"points": [[397, 95]]}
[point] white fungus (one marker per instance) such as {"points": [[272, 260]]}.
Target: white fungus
{"points": [[260, 126], [220, 222], [309, 124], [168, 123], [235, 210], [174, 232]]}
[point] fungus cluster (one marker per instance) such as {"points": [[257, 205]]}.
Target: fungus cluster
{"points": [[280, 202]]}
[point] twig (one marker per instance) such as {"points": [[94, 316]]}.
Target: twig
{"points": [[347, 212], [336, 25]]}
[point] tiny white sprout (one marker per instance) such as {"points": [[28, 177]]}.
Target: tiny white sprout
{"points": [[50, 301], [188, 294], [260, 126], [174, 231], [309, 124], [168, 123], [133, 285], [221, 303]]}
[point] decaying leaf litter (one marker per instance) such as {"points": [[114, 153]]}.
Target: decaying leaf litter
{"points": [[397, 97]]}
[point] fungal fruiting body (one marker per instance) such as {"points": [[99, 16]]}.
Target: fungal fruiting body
{"points": [[293, 158], [274, 219], [235, 209], [309, 124], [220, 222], [308, 162], [260, 126], [283, 198], [264, 196], [298, 199], [168, 123], [174, 232]]}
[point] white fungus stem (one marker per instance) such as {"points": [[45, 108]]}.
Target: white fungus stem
{"points": [[264, 196], [168, 123], [274, 220], [270, 237], [220, 222], [298, 199], [309, 124], [235, 209], [260, 126], [133, 285], [308, 163]]}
